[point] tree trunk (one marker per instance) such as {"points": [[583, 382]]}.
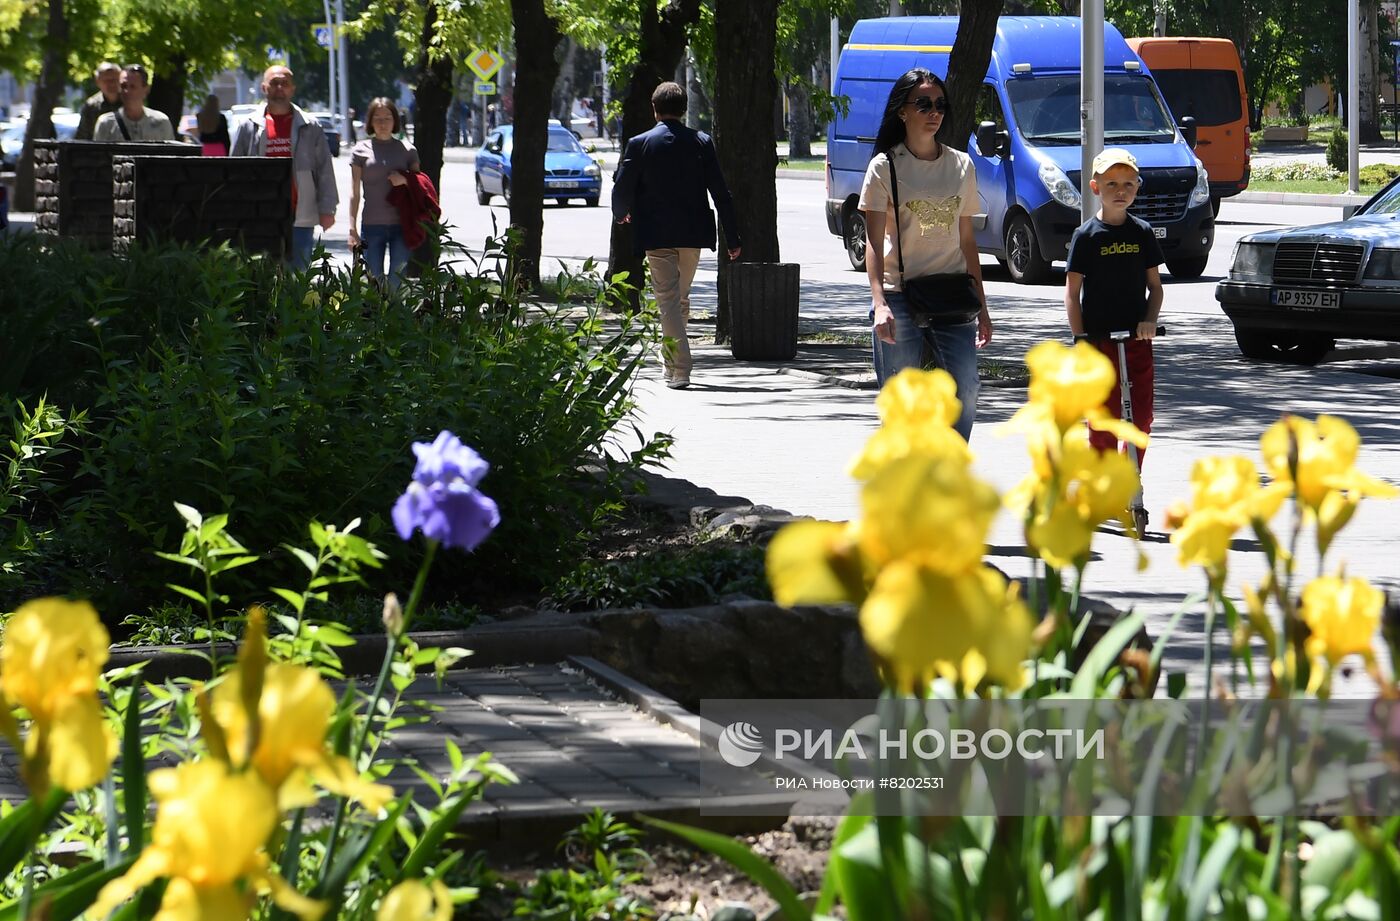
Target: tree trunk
{"points": [[967, 67], [431, 97], [537, 38], [1369, 75], [746, 90], [168, 88], [799, 98], [663, 37], [52, 79]]}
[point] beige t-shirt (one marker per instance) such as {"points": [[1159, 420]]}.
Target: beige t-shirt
{"points": [[153, 126], [933, 195]]}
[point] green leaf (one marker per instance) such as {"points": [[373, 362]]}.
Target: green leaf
{"points": [[293, 598], [134, 774], [746, 861], [1333, 854], [187, 592], [22, 827], [1211, 870], [71, 893], [191, 515], [1102, 657]]}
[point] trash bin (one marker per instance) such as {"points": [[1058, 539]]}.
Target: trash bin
{"points": [[763, 310]]}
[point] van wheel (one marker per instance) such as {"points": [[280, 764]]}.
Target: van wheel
{"points": [[1023, 259], [1283, 345], [1187, 268], [1215, 206], [855, 240], [483, 197]]}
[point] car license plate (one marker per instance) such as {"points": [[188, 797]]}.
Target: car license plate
{"points": [[1159, 232], [1291, 297], [563, 184]]}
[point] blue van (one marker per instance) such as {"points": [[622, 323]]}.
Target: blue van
{"points": [[1027, 144]]}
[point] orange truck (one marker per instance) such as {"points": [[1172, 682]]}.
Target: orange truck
{"points": [[1202, 78]]}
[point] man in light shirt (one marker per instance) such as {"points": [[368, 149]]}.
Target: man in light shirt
{"points": [[283, 130], [133, 121]]}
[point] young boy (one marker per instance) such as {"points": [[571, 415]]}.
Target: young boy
{"points": [[1112, 285]]}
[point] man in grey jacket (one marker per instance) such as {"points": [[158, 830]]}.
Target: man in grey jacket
{"points": [[283, 130]]}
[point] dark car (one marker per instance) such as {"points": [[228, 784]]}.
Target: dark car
{"points": [[331, 126], [1292, 293], [12, 138], [568, 170]]}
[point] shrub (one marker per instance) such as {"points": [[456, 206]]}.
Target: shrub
{"points": [[1295, 171], [214, 379], [1337, 150], [1379, 173]]}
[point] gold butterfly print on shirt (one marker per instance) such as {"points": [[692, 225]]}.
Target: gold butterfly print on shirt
{"points": [[935, 216]]}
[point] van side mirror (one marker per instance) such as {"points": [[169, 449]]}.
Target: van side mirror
{"points": [[1188, 130], [992, 142]]}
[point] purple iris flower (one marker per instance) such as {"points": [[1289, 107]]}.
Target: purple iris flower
{"points": [[443, 501]]}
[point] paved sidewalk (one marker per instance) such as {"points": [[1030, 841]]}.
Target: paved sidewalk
{"points": [[777, 438], [574, 744]]}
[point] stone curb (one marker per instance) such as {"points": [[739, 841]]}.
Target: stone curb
{"points": [[1302, 198]]}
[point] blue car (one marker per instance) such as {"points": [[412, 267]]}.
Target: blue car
{"points": [[1293, 292], [568, 170]]}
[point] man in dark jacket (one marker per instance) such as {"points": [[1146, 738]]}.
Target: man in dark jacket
{"points": [[660, 188], [107, 99]]}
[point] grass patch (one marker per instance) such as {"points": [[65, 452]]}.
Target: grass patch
{"points": [[816, 163], [1310, 186]]}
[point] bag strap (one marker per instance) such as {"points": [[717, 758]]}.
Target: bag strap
{"points": [[121, 123], [898, 237]]}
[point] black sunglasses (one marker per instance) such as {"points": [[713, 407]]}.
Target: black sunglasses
{"points": [[927, 104]]}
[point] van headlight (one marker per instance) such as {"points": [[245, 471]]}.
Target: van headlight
{"points": [[1058, 185], [1201, 193], [1252, 262], [592, 170]]}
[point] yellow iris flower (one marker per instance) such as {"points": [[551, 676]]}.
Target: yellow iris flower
{"points": [[917, 411], [921, 623], [1225, 496], [815, 562], [1343, 615], [50, 664], [207, 840], [931, 509], [1093, 487], [414, 900], [1326, 453], [294, 710]]}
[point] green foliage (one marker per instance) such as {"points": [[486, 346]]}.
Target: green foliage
{"points": [[1294, 171], [666, 577], [27, 464], [1337, 150], [213, 379], [603, 860]]}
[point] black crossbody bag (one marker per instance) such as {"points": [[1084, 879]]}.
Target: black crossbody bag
{"points": [[934, 300]]}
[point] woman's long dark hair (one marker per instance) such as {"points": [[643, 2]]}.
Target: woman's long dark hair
{"points": [[891, 125]]}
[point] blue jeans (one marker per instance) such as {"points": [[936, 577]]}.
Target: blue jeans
{"points": [[303, 242], [377, 239], [952, 348]]}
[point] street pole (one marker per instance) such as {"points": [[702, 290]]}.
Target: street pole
{"points": [[1353, 95], [343, 56], [836, 49], [330, 56], [1090, 100]]}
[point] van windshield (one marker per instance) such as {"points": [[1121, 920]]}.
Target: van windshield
{"points": [[1047, 110]]}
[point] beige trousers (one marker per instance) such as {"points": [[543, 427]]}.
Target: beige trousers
{"points": [[672, 271]]}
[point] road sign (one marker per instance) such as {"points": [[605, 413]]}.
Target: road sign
{"points": [[322, 31], [277, 56], [484, 63], [484, 88]]}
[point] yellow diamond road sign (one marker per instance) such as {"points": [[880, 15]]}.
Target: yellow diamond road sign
{"points": [[484, 62]]}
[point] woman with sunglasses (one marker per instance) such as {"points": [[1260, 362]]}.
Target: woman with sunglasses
{"points": [[930, 235]]}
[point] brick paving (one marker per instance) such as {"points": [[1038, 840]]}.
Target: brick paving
{"points": [[573, 745]]}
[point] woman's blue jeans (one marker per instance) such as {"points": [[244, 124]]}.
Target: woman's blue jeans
{"points": [[952, 348], [377, 239]]}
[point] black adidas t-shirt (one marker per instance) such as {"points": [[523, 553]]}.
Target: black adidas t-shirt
{"points": [[1114, 259]]}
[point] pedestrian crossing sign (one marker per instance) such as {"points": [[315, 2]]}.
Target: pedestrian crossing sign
{"points": [[322, 31], [484, 63]]}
